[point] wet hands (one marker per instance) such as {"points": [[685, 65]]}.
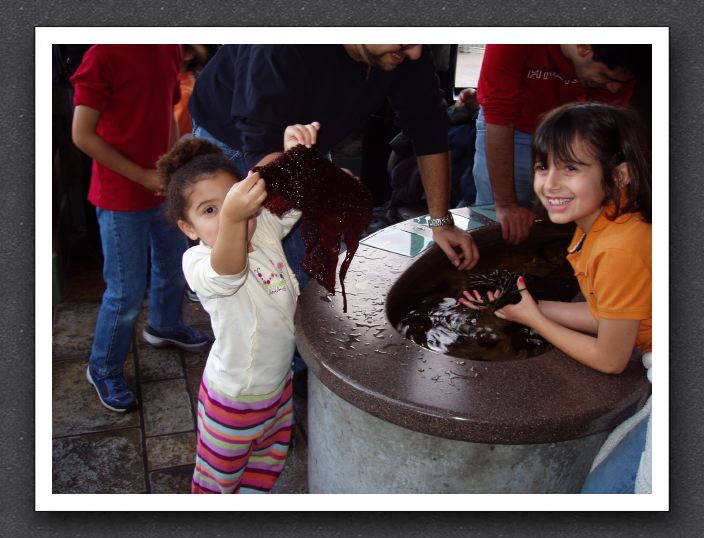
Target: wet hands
{"points": [[448, 237], [524, 312], [306, 135], [244, 198]]}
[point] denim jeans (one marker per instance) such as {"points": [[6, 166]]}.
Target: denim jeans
{"points": [[461, 139], [522, 166], [617, 473], [127, 239], [235, 155], [294, 247]]}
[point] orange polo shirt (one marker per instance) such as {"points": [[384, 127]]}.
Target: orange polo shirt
{"points": [[614, 270]]}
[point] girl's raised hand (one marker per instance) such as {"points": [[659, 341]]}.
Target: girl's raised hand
{"points": [[301, 134], [245, 198]]}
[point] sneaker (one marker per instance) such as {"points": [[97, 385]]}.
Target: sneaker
{"points": [[185, 337], [113, 392]]}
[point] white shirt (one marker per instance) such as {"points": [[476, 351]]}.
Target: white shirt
{"points": [[251, 313]]}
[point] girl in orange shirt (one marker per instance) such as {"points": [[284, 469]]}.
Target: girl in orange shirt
{"points": [[592, 167]]}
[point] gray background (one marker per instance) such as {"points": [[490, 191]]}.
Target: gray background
{"points": [[17, 259]]}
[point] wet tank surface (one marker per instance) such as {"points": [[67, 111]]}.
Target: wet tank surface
{"points": [[361, 357]]}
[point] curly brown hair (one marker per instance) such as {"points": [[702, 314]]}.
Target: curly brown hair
{"points": [[190, 160]]}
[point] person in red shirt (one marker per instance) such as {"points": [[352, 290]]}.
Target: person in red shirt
{"points": [[123, 120], [517, 85]]}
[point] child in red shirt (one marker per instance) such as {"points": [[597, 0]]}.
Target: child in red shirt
{"points": [[123, 120]]}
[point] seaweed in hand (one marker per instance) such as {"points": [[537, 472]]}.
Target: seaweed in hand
{"points": [[335, 206], [500, 279]]}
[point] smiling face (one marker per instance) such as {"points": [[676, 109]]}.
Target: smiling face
{"points": [[386, 57], [571, 191], [204, 203]]}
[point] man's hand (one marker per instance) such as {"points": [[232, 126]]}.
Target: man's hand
{"points": [[448, 237], [516, 222], [301, 134], [468, 98], [245, 198]]}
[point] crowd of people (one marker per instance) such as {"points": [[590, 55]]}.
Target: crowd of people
{"points": [[175, 132]]}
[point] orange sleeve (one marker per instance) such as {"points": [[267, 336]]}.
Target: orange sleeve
{"points": [[622, 285]]}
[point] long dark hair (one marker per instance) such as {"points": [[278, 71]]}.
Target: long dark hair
{"points": [[614, 135]]}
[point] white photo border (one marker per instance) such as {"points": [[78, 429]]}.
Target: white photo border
{"points": [[45, 500]]}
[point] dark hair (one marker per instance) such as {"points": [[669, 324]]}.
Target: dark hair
{"points": [[197, 62], [636, 59], [190, 160], [613, 135]]}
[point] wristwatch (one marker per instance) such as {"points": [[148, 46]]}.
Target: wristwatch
{"points": [[442, 221]]}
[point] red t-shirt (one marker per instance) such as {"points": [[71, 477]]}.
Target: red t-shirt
{"points": [[135, 88], [519, 83]]}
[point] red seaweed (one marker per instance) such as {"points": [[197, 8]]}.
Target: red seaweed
{"points": [[335, 206]]}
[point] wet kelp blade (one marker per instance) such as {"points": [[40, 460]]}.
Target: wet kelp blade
{"points": [[335, 206], [500, 279]]}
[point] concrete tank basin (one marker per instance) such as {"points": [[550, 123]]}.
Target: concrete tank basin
{"points": [[386, 415]]}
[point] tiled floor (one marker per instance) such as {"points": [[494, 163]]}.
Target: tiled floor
{"points": [[150, 450]]}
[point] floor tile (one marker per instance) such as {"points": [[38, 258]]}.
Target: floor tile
{"points": [[74, 326], [85, 285], [167, 407], [171, 450], [156, 364], [175, 480], [108, 462], [294, 478], [194, 314], [75, 405], [193, 377]]}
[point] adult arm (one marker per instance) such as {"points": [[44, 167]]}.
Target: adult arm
{"points": [[515, 220], [85, 123], [500, 91], [435, 174]]}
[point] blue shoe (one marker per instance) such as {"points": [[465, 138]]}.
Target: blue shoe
{"points": [[113, 392], [185, 337]]}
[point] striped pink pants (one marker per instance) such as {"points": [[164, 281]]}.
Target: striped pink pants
{"points": [[243, 441]]}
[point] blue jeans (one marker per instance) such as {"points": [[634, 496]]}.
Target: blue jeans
{"points": [[235, 155], [127, 237], [461, 139], [617, 473], [294, 247], [522, 166]]}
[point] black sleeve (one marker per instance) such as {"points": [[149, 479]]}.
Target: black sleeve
{"points": [[270, 95], [419, 105]]}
